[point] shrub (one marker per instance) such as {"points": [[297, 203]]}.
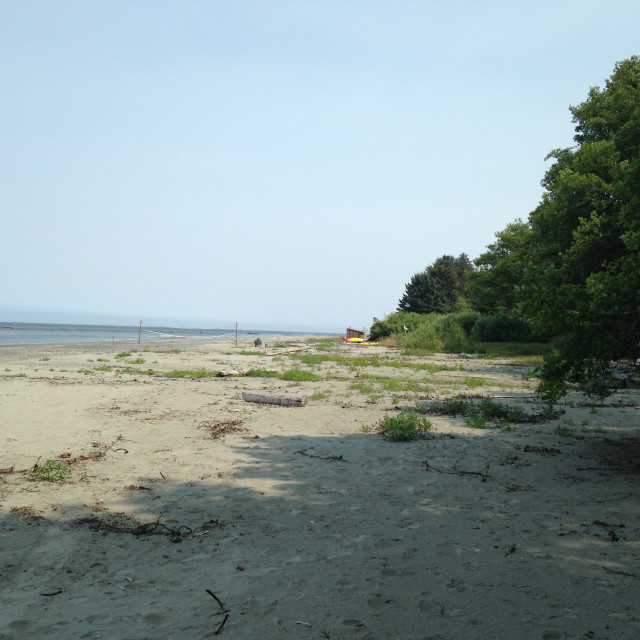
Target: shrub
{"points": [[451, 334], [50, 471], [404, 426], [501, 327]]}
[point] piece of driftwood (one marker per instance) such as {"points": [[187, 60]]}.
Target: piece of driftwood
{"points": [[284, 402], [228, 373]]}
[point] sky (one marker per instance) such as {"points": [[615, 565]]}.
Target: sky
{"points": [[280, 164]]}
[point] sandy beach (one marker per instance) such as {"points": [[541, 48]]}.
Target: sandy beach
{"points": [[190, 512]]}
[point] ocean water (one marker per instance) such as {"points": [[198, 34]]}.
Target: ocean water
{"points": [[25, 333]]}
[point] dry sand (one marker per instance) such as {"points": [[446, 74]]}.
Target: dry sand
{"points": [[306, 515]]}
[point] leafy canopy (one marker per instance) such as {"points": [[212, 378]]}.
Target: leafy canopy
{"points": [[581, 282]]}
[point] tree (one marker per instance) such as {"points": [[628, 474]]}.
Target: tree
{"points": [[581, 284], [500, 270], [422, 295], [437, 289]]}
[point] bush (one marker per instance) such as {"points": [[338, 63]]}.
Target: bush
{"points": [[467, 321], [404, 426], [451, 334], [501, 327], [50, 471]]}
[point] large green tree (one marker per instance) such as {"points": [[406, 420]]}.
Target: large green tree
{"points": [[582, 283], [440, 288], [500, 269]]}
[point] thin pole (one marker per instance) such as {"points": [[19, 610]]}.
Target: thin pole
{"points": [[140, 332], [236, 334]]}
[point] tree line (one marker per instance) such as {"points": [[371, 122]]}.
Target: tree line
{"points": [[571, 271]]}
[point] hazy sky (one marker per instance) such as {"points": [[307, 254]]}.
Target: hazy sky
{"points": [[285, 164]]}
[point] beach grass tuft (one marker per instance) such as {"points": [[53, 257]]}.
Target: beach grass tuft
{"points": [[50, 471], [404, 427]]}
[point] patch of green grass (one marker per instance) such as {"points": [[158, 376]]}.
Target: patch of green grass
{"points": [[50, 471], [174, 350], [124, 354], [481, 414], [320, 395], [324, 344], [132, 371], [295, 375], [404, 426], [191, 374], [15, 375], [244, 352], [392, 385], [104, 367], [136, 361], [45, 359], [102, 359], [298, 375], [262, 373], [363, 387], [565, 432], [521, 352], [473, 383], [86, 371]]}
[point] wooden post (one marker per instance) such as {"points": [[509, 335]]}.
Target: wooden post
{"points": [[236, 334], [140, 332]]}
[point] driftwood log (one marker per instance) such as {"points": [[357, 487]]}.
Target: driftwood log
{"points": [[284, 402]]}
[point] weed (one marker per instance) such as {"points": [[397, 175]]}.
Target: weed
{"points": [[565, 432], [103, 359], [50, 471], [16, 375], [479, 415], [104, 367], [404, 426], [174, 350], [86, 371], [45, 359], [475, 382], [298, 375], [136, 361], [363, 387], [320, 395], [132, 371], [123, 354], [244, 352], [295, 375], [262, 373], [191, 374]]}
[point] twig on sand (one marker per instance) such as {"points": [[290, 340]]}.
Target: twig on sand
{"points": [[222, 610], [303, 452], [459, 472], [621, 573]]}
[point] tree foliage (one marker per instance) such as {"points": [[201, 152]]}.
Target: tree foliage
{"points": [[493, 284], [572, 270], [581, 282], [440, 288]]}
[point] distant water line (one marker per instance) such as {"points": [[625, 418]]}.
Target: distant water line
{"points": [[26, 333]]}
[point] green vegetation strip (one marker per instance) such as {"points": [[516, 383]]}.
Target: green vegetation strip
{"points": [[313, 359], [296, 375], [485, 413], [191, 374]]}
